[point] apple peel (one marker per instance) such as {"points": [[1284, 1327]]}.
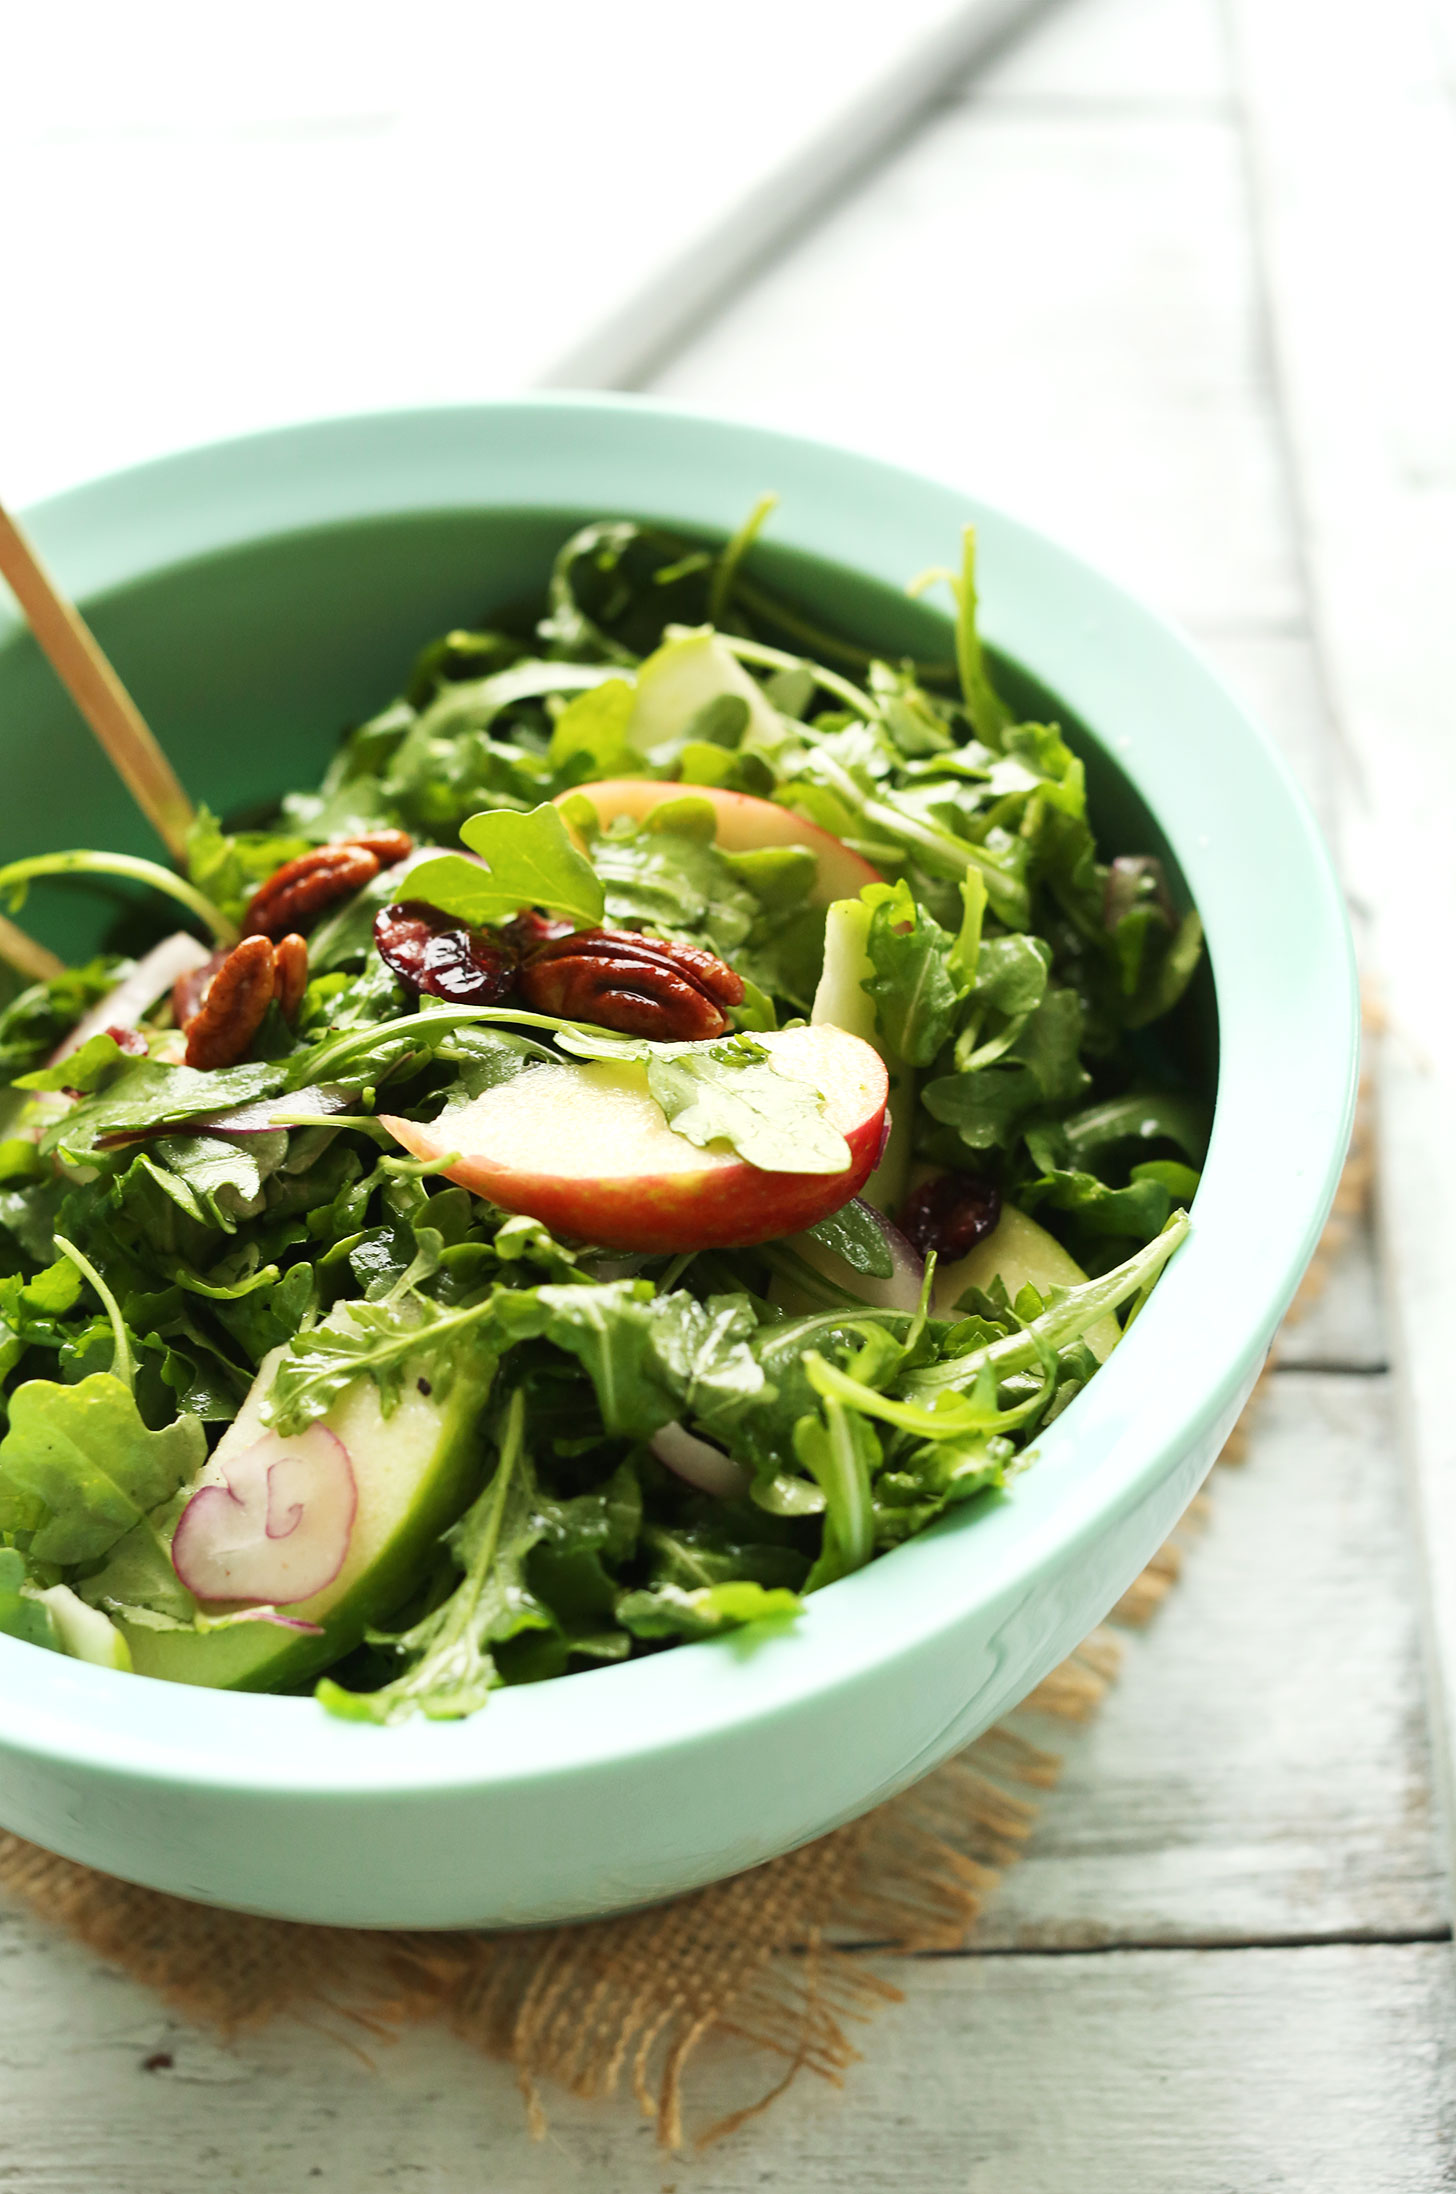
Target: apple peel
{"points": [[586, 1149], [273, 1525], [745, 824]]}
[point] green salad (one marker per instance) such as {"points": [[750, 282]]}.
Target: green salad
{"points": [[677, 1109]]}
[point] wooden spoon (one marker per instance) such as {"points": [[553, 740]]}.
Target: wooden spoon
{"points": [[83, 669]]}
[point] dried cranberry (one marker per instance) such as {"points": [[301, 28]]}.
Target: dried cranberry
{"points": [[950, 1214], [430, 950], [528, 931]]}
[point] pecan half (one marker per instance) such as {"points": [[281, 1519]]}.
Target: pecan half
{"points": [[232, 1007], [290, 975], [950, 1214], [297, 894], [190, 989], [387, 846], [639, 986], [436, 952]]}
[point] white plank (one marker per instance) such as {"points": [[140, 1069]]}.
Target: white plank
{"points": [[1359, 256], [213, 242], [1058, 310], [1260, 1771], [1130, 2073], [1119, 52], [1277, 676], [1343, 1327]]}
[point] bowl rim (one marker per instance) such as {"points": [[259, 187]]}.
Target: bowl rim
{"points": [[1288, 1009]]}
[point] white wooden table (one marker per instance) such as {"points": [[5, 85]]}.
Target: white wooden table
{"points": [[1225, 1965]]}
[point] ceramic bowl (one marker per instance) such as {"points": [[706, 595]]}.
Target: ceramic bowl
{"points": [[259, 594]]}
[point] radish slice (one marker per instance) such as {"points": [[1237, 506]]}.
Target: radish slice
{"points": [[898, 1290], [700, 1463], [136, 993], [275, 1525]]}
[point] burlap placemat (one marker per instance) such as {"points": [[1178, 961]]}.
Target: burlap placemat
{"points": [[627, 2004]]}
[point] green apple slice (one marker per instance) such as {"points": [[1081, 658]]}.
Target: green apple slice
{"points": [[1015, 1252], [681, 678], [413, 1471]]}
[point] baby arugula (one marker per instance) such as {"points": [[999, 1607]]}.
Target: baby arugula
{"points": [[163, 1230], [78, 1467]]}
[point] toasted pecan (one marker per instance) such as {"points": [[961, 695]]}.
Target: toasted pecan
{"points": [[387, 846], [639, 986], [190, 989], [299, 892], [290, 974], [232, 1007]]}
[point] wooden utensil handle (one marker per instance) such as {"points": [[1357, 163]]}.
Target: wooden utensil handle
{"points": [[79, 663]]}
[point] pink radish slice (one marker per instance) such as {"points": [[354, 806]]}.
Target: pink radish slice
{"points": [[279, 1622], [700, 1463], [151, 978], [898, 1290], [274, 1526]]}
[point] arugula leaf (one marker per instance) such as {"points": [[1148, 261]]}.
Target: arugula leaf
{"points": [[729, 1090], [137, 1578], [228, 866], [148, 1095], [1141, 1116], [842, 1451], [34, 1023], [528, 861], [721, 1095], [667, 1611], [590, 734], [855, 1233], [23, 1613], [914, 988], [452, 1670], [1099, 1211], [650, 1357], [1041, 1066], [1070, 1312], [89, 1068], [385, 1340], [78, 1467], [934, 1477]]}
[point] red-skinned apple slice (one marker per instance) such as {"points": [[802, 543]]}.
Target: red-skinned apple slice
{"points": [[745, 825], [585, 1148]]}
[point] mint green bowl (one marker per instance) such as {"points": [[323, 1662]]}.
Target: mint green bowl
{"points": [[258, 595]]}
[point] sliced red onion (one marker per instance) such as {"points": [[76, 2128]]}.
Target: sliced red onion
{"points": [[266, 1113], [274, 1525], [700, 1463], [898, 1290], [136, 993]]}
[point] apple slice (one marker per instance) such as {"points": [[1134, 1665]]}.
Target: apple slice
{"points": [[682, 677], [745, 824], [410, 1472], [1015, 1251], [586, 1149]]}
